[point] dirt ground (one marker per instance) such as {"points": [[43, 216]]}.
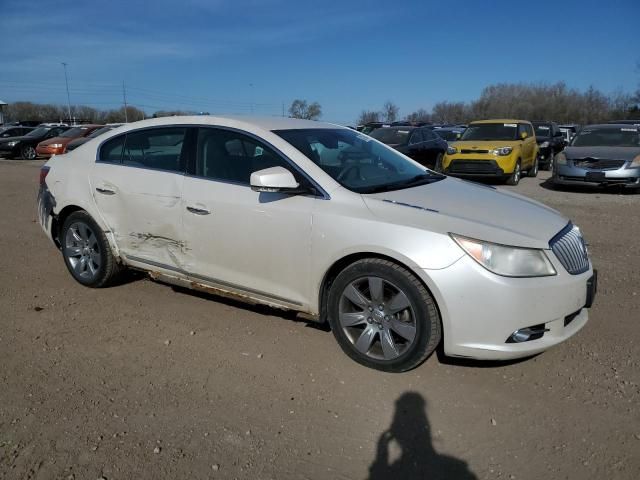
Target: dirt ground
{"points": [[142, 381]]}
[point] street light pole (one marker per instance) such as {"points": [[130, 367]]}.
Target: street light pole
{"points": [[66, 79]]}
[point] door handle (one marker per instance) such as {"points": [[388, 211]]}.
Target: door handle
{"points": [[105, 191], [198, 211]]}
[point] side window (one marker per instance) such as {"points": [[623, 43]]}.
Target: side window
{"points": [[111, 150], [428, 135], [416, 137], [529, 130], [156, 148], [232, 156]]}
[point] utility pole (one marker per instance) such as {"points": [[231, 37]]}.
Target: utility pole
{"points": [[66, 79], [124, 96], [251, 89], [283, 109]]}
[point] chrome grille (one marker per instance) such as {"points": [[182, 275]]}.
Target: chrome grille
{"points": [[571, 250]]}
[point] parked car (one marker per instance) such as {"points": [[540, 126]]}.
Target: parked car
{"points": [[58, 145], [500, 149], [75, 143], [450, 134], [6, 132], [25, 146], [419, 143], [395, 257], [635, 122], [569, 131], [367, 128], [550, 141], [601, 155]]}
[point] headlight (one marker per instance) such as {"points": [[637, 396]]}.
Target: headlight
{"points": [[502, 151], [55, 145], [13, 144], [635, 163], [507, 261], [561, 159], [452, 150], [544, 144]]}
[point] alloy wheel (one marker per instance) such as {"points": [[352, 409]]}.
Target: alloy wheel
{"points": [[377, 318], [28, 153], [82, 250]]}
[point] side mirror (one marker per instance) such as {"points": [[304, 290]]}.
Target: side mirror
{"points": [[274, 179], [523, 135]]}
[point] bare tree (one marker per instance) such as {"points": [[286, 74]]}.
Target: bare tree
{"points": [[302, 109], [390, 111], [420, 115], [367, 116]]}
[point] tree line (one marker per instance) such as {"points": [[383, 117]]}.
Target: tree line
{"points": [[553, 102]]}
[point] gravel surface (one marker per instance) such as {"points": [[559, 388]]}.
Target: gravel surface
{"points": [[144, 381]]}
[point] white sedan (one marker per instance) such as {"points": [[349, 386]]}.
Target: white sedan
{"points": [[325, 221]]}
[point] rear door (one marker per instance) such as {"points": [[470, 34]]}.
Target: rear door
{"points": [[137, 185]]}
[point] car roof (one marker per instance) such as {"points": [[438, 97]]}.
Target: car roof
{"points": [[499, 120], [264, 123], [609, 125]]}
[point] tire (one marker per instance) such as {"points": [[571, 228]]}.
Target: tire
{"points": [[550, 165], [438, 165], [514, 179], [533, 171], [86, 251], [374, 299], [28, 152]]}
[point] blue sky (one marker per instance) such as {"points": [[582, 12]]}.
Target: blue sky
{"points": [[247, 55]]}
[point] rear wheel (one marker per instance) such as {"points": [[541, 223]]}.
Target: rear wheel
{"points": [[86, 251], [382, 316], [28, 152], [514, 179]]}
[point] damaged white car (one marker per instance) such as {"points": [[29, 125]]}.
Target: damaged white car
{"points": [[325, 221]]}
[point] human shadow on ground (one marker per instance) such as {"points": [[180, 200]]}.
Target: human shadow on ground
{"points": [[411, 433]]}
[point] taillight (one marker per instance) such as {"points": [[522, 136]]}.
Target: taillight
{"points": [[43, 174]]}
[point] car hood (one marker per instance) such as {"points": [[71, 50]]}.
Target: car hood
{"points": [[610, 153], [540, 139], [470, 209], [483, 144], [13, 139]]}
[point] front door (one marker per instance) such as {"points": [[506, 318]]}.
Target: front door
{"points": [[137, 185], [240, 239]]}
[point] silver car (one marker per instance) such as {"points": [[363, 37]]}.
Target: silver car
{"points": [[601, 155], [325, 221]]}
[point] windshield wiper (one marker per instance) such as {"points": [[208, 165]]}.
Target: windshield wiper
{"points": [[422, 179]]}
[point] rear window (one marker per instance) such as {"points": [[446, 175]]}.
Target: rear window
{"points": [[111, 151]]}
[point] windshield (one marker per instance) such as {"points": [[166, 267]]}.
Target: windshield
{"points": [[491, 131], [448, 135], [356, 161], [391, 136], [99, 132], [38, 132], [607, 137], [542, 130], [74, 132]]}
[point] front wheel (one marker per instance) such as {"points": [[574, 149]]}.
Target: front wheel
{"points": [[28, 152], [86, 251], [382, 316], [514, 179], [533, 171]]}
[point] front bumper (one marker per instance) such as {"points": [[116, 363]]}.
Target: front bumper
{"points": [[47, 152], [481, 311], [572, 175], [479, 165], [6, 149]]}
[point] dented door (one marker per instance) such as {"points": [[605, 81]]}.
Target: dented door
{"points": [[142, 209]]}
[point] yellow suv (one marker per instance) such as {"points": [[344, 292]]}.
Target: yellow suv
{"points": [[494, 148]]}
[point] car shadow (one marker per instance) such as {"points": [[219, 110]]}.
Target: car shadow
{"points": [[472, 363], [588, 189], [260, 309], [409, 441]]}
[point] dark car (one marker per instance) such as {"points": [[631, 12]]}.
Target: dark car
{"points": [[6, 132], [419, 143], [73, 144], [550, 141], [601, 155], [635, 122], [25, 146], [367, 128]]}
